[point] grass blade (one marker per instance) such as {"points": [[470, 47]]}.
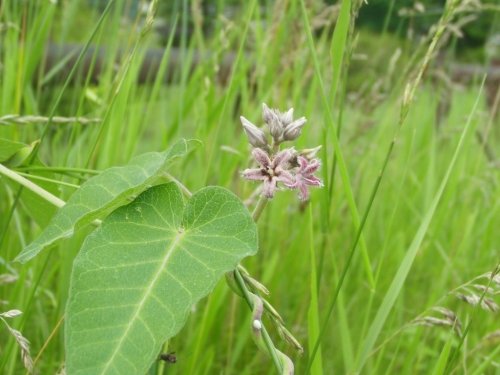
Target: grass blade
{"points": [[405, 266], [313, 311]]}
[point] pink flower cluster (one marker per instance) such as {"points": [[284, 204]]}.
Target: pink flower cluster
{"points": [[295, 170]]}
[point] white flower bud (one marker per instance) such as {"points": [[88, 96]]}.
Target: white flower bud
{"points": [[310, 153], [276, 129], [267, 113], [287, 117], [273, 122], [256, 137], [293, 130]]}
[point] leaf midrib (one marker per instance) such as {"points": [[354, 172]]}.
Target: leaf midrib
{"points": [[147, 293]]}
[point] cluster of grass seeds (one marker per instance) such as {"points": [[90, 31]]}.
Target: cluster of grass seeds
{"points": [[22, 342], [348, 270]]}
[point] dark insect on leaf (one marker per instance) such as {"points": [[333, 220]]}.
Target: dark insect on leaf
{"points": [[168, 357]]}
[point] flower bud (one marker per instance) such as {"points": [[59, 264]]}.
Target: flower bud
{"points": [[310, 153], [276, 130], [292, 131], [287, 117], [267, 113], [256, 137], [273, 122]]}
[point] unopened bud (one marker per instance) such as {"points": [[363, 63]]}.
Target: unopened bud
{"points": [[287, 117], [256, 137], [274, 123], [293, 130], [267, 113], [276, 130], [310, 153]]}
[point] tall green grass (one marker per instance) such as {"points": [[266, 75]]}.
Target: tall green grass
{"points": [[280, 59]]}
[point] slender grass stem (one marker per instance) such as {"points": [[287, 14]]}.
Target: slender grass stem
{"points": [[456, 351], [61, 170], [47, 341], [31, 186], [342, 165], [407, 100], [72, 72], [50, 180]]}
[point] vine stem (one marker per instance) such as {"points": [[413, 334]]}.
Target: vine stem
{"points": [[265, 335], [247, 294]]}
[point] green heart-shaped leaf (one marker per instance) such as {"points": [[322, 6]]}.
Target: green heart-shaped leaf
{"points": [[103, 193], [138, 275]]}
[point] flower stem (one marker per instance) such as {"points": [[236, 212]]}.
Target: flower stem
{"points": [[261, 204]]}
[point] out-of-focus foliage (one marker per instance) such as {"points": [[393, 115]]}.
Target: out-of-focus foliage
{"points": [[404, 19], [403, 15]]}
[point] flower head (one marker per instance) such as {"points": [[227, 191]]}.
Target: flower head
{"points": [[288, 167], [271, 171], [281, 124], [304, 177]]}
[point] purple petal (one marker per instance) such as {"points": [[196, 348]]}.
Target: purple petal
{"points": [[303, 192], [287, 178], [282, 158], [254, 174], [311, 168], [312, 180], [262, 157], [269, 188], [303, 162]]}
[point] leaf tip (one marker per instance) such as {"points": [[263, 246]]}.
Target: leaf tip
{"points": [[26, 254]]}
